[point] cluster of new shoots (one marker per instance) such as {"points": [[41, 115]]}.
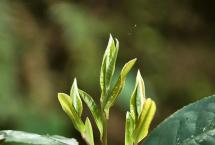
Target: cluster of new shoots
{"points": [[142, 109]]}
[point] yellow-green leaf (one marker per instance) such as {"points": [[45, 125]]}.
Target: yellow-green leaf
{"points": [[144, 121], [76, 100], [88, 134], [137, 97], [91, 104], [108, 67], [118, 86], [67, 105], [133, 105], [129, 128]]}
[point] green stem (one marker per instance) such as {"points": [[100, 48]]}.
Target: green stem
{"points": [[104, 136], [104, 124], [104, 120]]}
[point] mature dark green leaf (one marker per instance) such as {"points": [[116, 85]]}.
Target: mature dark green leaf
{"points": [[31, 138], [91, 104], [67, 105], [192, 125], [108, 66], [119, 85], [88, 134], [76, 100]]}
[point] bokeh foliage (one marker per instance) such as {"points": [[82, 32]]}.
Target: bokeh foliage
{"points": [[44, 44]]}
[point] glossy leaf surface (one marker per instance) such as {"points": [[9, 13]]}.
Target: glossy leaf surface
{"points": [[192, 125]]}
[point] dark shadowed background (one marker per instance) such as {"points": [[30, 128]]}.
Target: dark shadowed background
{"points": [[44, 44]]}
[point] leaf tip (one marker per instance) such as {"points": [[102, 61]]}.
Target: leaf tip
{"points": [[127, 114], [110, 40], [59, 95], [74, 82], [117, 43], [139, 74], [110, 36], [134, 59]]}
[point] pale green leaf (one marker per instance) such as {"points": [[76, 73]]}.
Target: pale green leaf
{"points": [[76, 100], [144, 121], [129, 128], [36, 139], [67, 105], [118, 86], [140, 99], [88, 134], [91, 104], [137, 97], [133, 105], [108, 66]]}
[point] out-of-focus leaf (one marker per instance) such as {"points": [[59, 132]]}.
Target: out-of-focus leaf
{"points": [[67, 105], [76, 100], [118, 86], [137, 97], [192, 125], [144, 120], [31, 138], [129, 128], [9, 91], [88, 134], [108, 67], [93, 108]]}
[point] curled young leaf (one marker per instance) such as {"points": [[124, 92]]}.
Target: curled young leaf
{"points": [[88, 134], [91, 104], [118, 86], [138, 97], [76, 100], [67, 105], [144, 120], [108, 66]]}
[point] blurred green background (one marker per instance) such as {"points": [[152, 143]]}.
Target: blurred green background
{"points": [[44, 44]]}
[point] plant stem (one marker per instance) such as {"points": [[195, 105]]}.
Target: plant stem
{"points": [[104, 136]]}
